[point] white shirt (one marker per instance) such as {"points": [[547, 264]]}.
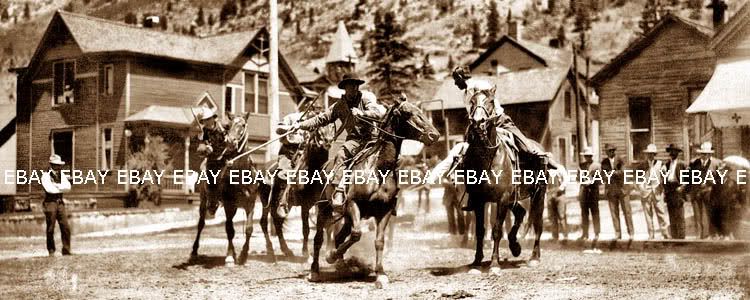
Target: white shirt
{"points": [[672, 170], [52, 187]]}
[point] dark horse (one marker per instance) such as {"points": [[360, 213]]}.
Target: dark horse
{"points": [[487, 152], [231, 196], [310, 157], [378, 200]]}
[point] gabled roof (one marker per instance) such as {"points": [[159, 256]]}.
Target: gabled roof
{"points": [[499, 43], [170, 116], [342, 48], [731, 28], [528, 86], [635, 48]]}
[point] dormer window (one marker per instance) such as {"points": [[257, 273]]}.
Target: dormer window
{"points": [[64, 82]]}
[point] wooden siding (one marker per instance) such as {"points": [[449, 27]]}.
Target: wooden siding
{"points": [[660, 72], [510, 57], [560, 126]]}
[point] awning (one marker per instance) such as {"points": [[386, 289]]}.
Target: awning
{"points": [[726, 97], [167, 116]]}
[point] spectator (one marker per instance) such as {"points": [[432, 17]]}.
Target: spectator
{"points": [[673, 192], [652, 193], [614, 192], [589, 196], [55, 184], [699, 194], [556, 206]]}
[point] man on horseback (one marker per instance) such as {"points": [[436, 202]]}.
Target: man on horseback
{"points": [[355, 110], [497, 118], [212, 136]]}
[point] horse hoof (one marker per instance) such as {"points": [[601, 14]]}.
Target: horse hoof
{"points": [[193, 256], [288, 253], [533, 263], [515, 249], [313, 277], [331, 258], [495, 271], [229, 261], [474, 271], [382, 281]]}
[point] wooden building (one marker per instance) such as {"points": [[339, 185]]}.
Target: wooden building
{"points": [[644, 91], [94, 88], [535, 87]]}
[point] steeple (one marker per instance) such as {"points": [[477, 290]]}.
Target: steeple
{"points": [[342, 48]]}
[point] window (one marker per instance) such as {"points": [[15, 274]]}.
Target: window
{"points": [[232, 98], [64, 82], [563, 146], [574, 143], [256, 93], [640, 124], [701, 125], [62, 144], [109, 79], [107, 153], [568, 104]]}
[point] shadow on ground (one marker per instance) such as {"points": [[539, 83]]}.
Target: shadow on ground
{"points": [[484, 268]]}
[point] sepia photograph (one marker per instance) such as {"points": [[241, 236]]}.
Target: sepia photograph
{"points": [[368, 149]]}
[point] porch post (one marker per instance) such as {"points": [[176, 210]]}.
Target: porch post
{"points": [[186, 167]]}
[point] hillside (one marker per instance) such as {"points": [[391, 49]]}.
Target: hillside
{"points": [[441, 28]]}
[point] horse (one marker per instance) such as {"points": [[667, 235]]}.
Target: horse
{"points": [[728, 201], [403, 120], [310, 157], [231, 196], [488, 151]]}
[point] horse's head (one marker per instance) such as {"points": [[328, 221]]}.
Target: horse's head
{"points": [[480, 100], [236, 132], [412, 123]]}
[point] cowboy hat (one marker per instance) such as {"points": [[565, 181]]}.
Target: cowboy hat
{"points": [[706, 148], [587, 151], [206, 113], [608, 147], [56, 160], [673, 147], [350, 78], [651, 148]]}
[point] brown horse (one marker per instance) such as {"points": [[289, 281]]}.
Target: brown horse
{"points": [[310, 157], [488, 152], [378, 200], [231, 196]]}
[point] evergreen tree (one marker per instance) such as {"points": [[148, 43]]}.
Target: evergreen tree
{"points": [[163, 22], [4, 15], [695, 7], [169, 6], [493, 23], [69, 7], [310, 17], [649, 16], [427, 70], [297, 27], [561, 36], [27, 11], [211, 20], [131, 18], [390, 72], [229, 9], [476, 34], [450, 63], [200, 20]]}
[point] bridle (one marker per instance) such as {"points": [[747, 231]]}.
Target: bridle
{"points": [[481, 127]]}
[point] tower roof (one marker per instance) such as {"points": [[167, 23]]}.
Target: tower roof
{"points": [[342, 48]]}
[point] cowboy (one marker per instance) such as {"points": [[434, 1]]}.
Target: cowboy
{"points": [[285, 163], [673, 192], [556, 205], [212, 136], [652, 192], [699, 194], [614, 191], [55, 184], [356, 110], [589, 196]]}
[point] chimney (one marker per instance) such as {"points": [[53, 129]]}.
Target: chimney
{"points": [[719, 8], [515, 29]]}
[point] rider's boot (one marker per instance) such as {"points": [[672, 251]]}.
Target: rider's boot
{"points": [[283, 209], [337, 201]]}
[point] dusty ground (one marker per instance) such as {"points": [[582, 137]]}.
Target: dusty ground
{"points": [[423, 263]]}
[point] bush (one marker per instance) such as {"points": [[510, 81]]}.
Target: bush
{"points": [[154, 156]]}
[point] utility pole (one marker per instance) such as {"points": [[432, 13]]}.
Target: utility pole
{"points": [[273, 74]]}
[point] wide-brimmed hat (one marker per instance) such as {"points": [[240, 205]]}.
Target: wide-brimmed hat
{"points": [[350, 79], [706, 148], [206, 113], [651, 148], [673, 147], [587, 151], [56, 160], [608, 147]]}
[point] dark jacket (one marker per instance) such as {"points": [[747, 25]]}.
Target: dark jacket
{"points": [[590, 192], [678, 169], [711, 165], [616, 164], [342, 110]]}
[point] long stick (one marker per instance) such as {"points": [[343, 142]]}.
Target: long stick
{"points": [[260, 146]]}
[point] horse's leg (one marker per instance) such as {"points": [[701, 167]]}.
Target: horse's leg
{"points": [[230, 209], [479, 233], [382, 278], [537, 218], [342, 230], [518, 213], [265, 198], [320, 224], [354, 217], [201, 223], [278, 224], [497, 232], [305, 228], [249, 207]]}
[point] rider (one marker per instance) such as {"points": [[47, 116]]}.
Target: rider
{"points": [[500, 120], [353, 110], [289, 147], [212, 135]]}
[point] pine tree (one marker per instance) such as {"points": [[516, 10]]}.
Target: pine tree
{"points": [[450, 63], [649, 16], [131, 18], [211, 20], [27, 11], [200, 20], [227, 10], [427, 70], [390, 72], [493, 23], [164, 22], [4, 15], [169, 6], [310, 17], [69, 7], [476, 35], [561, 36]]}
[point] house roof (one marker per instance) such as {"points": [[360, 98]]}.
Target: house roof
{"points": [[499, 43], [635, 48], [731, 28], [528, 86], [342, 48], [170, 116]]}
